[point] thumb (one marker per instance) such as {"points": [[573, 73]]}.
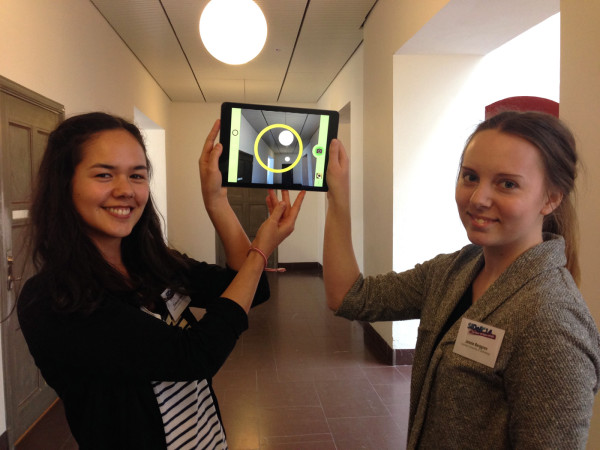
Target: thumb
{"points": [[334, 149], [216, 153]]}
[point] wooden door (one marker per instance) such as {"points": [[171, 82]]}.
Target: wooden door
{"points": [[26, 119], [251, 210]]}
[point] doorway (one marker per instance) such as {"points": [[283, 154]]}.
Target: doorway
{"points": [[249, 205], [245, 163], [287, 177], [26, 120]]}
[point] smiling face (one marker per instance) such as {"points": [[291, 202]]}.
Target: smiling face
{"points": [[501, 193], [110, 186]]}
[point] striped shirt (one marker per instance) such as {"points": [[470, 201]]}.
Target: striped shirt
{"points": [[189, 415], [187, 408]]}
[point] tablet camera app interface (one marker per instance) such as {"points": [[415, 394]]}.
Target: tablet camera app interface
{"points": [[278, 148]]}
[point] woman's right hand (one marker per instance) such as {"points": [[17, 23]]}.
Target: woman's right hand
{"points": [[338, 174], [340, 268]]}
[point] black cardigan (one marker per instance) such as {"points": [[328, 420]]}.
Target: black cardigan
{"points": [[101, 364]]}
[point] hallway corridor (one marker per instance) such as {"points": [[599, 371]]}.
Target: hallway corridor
{"points": [[301, 378]]}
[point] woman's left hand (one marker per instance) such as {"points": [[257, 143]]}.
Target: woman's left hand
{"points": [[210, 175], [281, 220]]}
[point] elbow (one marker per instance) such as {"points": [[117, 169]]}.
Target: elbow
{"points": [[333, 301]]}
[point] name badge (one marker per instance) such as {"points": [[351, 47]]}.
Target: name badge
{"points": [[479, 342], [176, 303]]}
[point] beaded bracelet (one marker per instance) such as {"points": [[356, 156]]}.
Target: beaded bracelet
{"points": [[267, 269]]}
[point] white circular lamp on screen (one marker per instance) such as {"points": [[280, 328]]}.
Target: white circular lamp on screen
{"points": [[286, 137], [233, 31]]}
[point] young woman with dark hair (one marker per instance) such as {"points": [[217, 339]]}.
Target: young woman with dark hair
{"points": [[107, 318], [507, 353]]}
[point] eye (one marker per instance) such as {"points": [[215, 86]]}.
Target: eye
{"points": [[469, 177], [103, 175], [139, 176], [509, 184]]}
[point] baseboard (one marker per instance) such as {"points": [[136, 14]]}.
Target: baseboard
{"points": [[50, 431], [312, 267], [4, 441], [382, 350]]}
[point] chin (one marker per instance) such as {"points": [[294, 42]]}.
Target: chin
{"points": [[478, 239]]}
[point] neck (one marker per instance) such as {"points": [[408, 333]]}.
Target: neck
{"points": [[496, 261], [498, 258], [495, 264], [111, 252]]}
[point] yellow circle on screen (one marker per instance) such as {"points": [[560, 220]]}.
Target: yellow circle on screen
{"points": [[270, 127]]}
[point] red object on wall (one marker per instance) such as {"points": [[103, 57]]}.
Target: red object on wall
{"points": [[522, 103]]}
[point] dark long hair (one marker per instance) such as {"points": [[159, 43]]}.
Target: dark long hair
{"points": [[557, 148], [79, 274]]}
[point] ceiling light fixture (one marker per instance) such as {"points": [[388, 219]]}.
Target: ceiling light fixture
{"points": [[233, 31], [286, 137]]}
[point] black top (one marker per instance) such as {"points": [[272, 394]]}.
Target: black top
{"points": [[101, 364], [465, 302]]}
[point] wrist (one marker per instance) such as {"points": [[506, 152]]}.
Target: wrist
{"points": [[338, 209], [265, 260], [215, 203]]}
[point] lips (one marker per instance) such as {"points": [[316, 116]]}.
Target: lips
{"points": [[480, 220], [119, 211]]}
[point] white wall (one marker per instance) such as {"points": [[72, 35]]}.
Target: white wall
{"points": [[346, 91], [190, 229], [580, 108], [67, 52], [390, 24], [155, 139], [64, 50], [438, 100]]}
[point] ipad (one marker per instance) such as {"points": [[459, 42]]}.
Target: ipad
{"points": [[275, 147]]}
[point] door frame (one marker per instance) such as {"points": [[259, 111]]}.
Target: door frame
{"points": [[8, 87]]}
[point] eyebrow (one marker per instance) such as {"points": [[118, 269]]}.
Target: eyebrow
{"points": [[111, 167], [498, 175]]}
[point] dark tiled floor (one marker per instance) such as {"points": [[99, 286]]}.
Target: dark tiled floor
{"points": [[301, 378], [298, 379]]}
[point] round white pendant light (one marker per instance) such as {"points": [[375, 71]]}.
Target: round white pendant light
{"points": [[233, 31], [286, 137]]}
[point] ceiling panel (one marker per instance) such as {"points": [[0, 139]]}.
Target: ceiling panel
{"points": [[308, 42]]}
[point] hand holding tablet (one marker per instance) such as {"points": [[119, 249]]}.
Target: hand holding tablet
{"points": [[275, 147]]}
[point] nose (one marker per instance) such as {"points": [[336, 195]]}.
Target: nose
{"points": [[123, 188], [481, 196]]}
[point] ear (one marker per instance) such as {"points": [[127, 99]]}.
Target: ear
{"points": [[553, 200]]}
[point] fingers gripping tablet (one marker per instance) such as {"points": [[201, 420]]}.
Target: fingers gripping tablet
{"points": [[276, 147]]}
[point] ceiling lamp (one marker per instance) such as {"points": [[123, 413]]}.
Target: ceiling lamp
{"points": [[233, 31], [286, 137]]}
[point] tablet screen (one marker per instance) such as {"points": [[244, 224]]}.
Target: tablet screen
{"points": [[275, 147]]}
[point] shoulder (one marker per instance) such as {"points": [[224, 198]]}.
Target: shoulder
{"points": [[440, 267], [34, 290], [547, 307], [452, 265]]}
